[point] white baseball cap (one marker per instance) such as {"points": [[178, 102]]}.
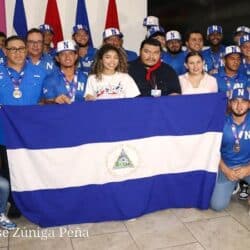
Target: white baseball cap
{"points": [[232, 50], [66, 45], [111, 32], [173, 35], [244, 29], [151, 21]]}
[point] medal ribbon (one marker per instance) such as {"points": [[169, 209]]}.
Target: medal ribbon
{"points": [[16, 82], [238, 136], [70, 86]]}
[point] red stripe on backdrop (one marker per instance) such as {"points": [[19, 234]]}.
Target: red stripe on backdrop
{"points": [[112, 20], [52, 18], [2, 16]]}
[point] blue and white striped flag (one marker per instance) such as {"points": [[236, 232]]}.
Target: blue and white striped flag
{"points": [[113, 159], [19, 20]]}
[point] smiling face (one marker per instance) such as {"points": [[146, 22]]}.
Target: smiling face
{"points": [[67, 59], [81, 37], [110, 61], [194, 65], [239, 107], [195, 42], [215, 38], [245, 48]]}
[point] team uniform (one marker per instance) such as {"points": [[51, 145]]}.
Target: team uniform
{"points": [[21, 88], [213, 60], [176, 61], [164, 79], [2, 57], [118, 85], [245, 70], [86, 61], [56, 85], [46, 62], [131, 55], [227, 84], [233, 157]]}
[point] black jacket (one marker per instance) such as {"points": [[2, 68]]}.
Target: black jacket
{"points": [[164, 77]]}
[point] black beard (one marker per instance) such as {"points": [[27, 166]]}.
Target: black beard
{"points": [[240, 115], [82, 45], [175, 52]]}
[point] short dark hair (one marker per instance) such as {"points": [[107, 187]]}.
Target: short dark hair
{"points": [[34, 30], [193, 53], [2, 34], [190, 32], [12, 38], [150, 41]]}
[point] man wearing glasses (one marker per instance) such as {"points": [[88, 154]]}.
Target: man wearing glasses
{"points": [[20, 84], [35, 55]]}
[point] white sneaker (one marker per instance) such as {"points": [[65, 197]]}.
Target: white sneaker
{"points": [[5, 223]]}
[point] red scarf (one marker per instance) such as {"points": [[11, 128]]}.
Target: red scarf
{"points": [[151, 69]]}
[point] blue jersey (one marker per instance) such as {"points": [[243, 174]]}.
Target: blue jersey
{"points": [[227, 84], [30, 85], [176, 61], [86, 61], [214, 60], [131, 55], [46, 62], [230, 157], [245, 70], [55, 85], [2, 57]]}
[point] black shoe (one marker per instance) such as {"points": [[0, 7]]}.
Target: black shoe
{"points": [[243, 195], [14, 212]]}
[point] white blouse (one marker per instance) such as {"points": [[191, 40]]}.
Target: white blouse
{"points": [[118, 85], [208, 84]]}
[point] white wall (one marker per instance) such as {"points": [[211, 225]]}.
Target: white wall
{"points": [[130, 13]]}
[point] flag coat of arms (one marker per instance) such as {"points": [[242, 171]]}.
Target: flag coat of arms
{"points": [[113, 159]]}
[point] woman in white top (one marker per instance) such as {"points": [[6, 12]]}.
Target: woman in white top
{"points": [[196, 81], [108, 78]]}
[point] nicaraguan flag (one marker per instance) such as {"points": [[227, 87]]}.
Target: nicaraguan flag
{"points": [[19, 21], [113, 159]]}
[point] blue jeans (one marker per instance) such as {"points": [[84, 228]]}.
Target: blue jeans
{"points": [[223, 191], [4, 194]]}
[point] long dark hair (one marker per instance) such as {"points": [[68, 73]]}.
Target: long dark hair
{"points": [[97, 68]]}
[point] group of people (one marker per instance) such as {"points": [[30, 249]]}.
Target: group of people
{"points": [[34, 72]]}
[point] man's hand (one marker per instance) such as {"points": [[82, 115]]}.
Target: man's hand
{"points": [[231, 174], [62, 99]]}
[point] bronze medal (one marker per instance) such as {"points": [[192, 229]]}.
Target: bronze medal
{"points": [[236, 147]]}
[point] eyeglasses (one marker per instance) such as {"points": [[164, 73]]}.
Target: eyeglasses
{"points": [[31, 42], [14, 50]]}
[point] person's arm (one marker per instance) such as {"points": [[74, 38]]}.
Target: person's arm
{"points": [[173, 82], [231, 174]]}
